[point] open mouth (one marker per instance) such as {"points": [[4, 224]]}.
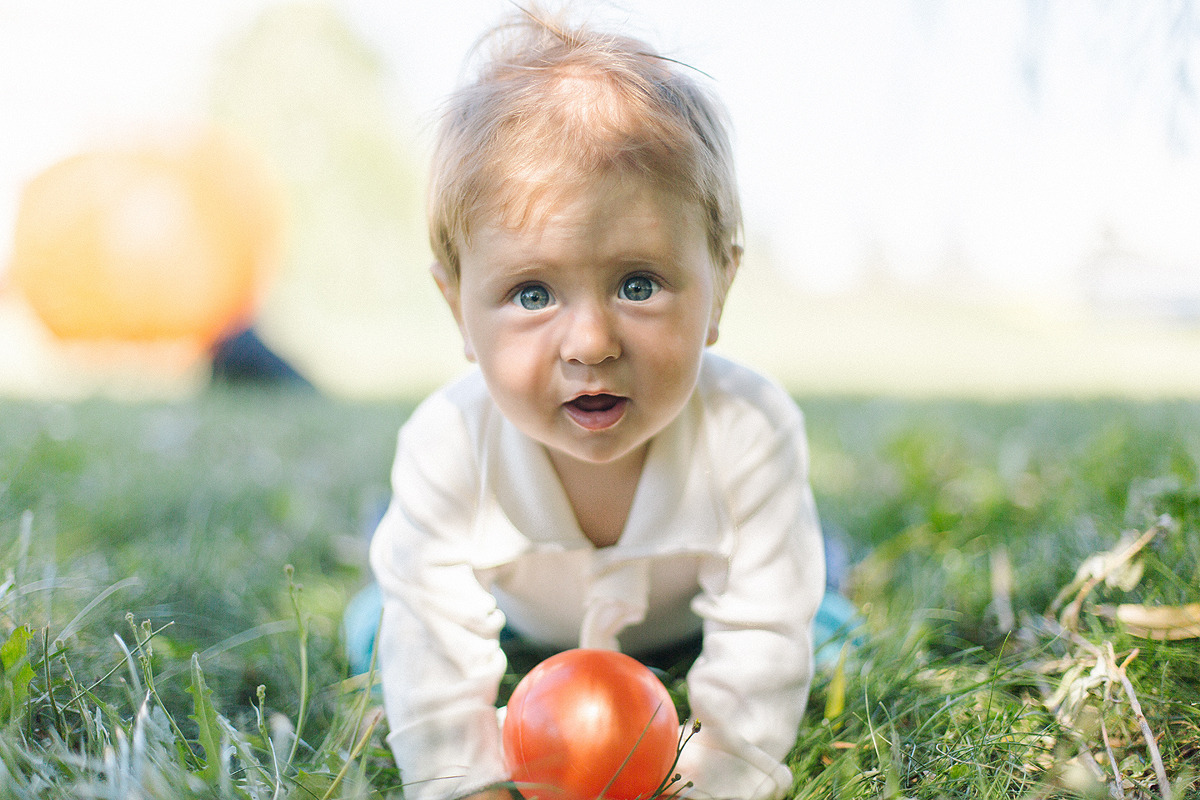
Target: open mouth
{"points": [[596, 412]]}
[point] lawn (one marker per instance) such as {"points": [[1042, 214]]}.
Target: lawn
{"points": [[173, 577]]}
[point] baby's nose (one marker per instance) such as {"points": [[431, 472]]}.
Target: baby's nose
{"points": [[590, 337]]}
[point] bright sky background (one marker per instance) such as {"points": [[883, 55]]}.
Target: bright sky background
{"points": [[1003, 135]]}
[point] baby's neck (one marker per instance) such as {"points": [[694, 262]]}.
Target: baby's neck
{"points": [[601, 495]]}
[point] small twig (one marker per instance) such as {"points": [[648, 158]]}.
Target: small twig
{"points": [[1147, 734], [1118, 782], [685, 735]]}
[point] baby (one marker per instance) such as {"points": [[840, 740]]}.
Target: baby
{"points": [[601, 480]]}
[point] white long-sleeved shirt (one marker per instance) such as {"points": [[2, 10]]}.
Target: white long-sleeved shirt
{"points": [[722, 537]]}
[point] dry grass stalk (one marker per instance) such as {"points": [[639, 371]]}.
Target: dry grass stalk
{"points": [[1164, 785]]}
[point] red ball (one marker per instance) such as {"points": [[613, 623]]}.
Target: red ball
{"points": [[587, 724]]}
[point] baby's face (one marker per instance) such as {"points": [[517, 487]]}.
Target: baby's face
{"points": [[589, 321]]}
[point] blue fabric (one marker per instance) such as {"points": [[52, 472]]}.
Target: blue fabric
{"points": [[834, 626], [360, 623]]}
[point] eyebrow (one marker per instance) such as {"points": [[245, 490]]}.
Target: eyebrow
{"points": [[516, 269]]}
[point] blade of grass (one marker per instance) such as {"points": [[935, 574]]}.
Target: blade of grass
{"points": [[302, 630], [75, 623], [632, 750]]}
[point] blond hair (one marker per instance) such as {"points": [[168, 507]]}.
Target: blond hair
{"points": [[553, 107]]}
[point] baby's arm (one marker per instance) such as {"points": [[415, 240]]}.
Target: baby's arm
{"points": [[439, 657], [749, 687]]}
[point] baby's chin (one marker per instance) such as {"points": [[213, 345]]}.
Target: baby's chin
{"points": [[600, 451]]}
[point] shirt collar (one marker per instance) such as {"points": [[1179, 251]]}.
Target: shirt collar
{"points": [[678, 506]]}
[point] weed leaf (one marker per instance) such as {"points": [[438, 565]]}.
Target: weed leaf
{"points": [[205, 717], [16, 671]]}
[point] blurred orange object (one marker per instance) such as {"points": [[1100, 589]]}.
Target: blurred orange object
{"points": [[168, 240]]}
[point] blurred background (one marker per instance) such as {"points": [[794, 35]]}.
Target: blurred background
{"points": [[998, 199]]}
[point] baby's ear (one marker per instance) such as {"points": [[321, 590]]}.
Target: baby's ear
{"points": [[448, 284], [726, 275]]}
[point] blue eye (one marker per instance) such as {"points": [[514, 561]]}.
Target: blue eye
{"points": [[638, 288], [534, 297]]}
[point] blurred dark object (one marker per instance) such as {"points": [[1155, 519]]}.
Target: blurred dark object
{"points": [[243, 359]]}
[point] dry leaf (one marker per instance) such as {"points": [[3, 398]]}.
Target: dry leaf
{"points": [[1114, 567], [1156, 622], [1125, 576]]}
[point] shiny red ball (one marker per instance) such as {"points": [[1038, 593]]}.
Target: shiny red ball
{"points": [[587, 724]]}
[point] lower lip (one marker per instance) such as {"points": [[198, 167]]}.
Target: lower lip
{"points": [[597, 420]]}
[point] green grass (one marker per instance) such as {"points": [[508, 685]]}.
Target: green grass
{"points": [[154, 645]]}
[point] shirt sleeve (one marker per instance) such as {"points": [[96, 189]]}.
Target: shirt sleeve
{"points": [[439, 657], [749, 687]]}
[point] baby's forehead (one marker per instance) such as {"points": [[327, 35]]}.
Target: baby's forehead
{"points": [[528, 204], [607, 225]]}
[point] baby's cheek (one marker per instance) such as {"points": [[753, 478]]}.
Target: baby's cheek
{"points": [[674, 367], [521, 391]]}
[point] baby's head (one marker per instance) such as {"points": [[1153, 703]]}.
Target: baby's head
{"points": [[553, 109], [584, 216]]}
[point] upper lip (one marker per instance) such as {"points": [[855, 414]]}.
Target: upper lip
{"points": [[598, 393]]}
